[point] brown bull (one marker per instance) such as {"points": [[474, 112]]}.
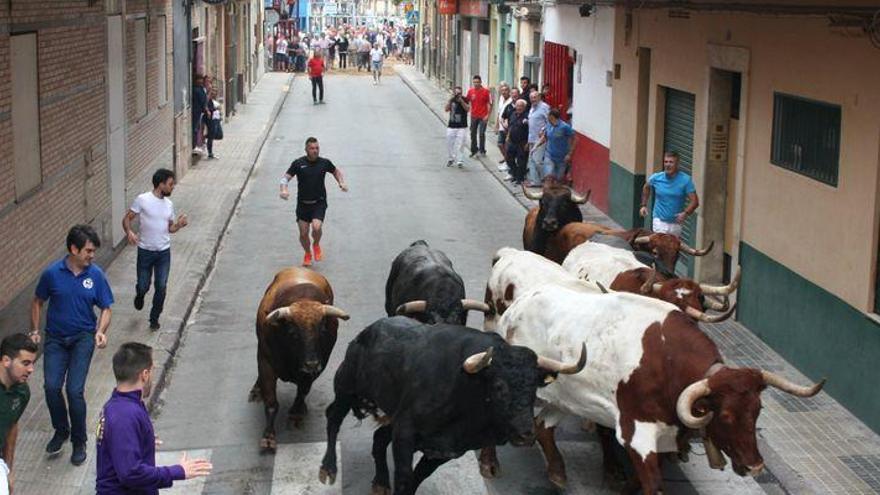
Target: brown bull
{"points": [[570, 237], [691, 297], [296, 331], [558, 206], [664, 247]]}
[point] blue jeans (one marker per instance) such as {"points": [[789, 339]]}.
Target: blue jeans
{"points": [[553, 168], [153, 264], [68, 357], [536, 164]]}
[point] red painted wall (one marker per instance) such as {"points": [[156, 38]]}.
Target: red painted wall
{"points": [[589, 170]]}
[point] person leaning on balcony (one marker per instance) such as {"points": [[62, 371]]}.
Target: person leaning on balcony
{"points": [[671, 188]]}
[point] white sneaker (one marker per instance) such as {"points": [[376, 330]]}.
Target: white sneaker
{"points": [[502, 168]]}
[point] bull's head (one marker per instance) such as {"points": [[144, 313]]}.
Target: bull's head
{"points": [[558, 206], [454, 313], [691, 297], [665, 247], [727, 405], [304, 322], [515, 373]]}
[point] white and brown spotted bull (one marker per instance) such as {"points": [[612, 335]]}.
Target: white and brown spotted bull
{"points": [[620, 270], [664, 248], [653, 377], [296, 332]]}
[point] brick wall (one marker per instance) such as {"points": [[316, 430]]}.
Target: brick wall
{"points": [[72, 48]]}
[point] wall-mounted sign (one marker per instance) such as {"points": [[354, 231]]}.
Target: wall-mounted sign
{"points": [[447, 7], [474, 8]]}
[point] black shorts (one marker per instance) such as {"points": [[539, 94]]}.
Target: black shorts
{"points": [[306, 212], [502, 137]]}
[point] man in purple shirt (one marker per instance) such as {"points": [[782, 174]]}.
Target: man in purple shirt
{"points": [[126, 442]]}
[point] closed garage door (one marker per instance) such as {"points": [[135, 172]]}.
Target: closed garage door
{"points": [[678, 136]]}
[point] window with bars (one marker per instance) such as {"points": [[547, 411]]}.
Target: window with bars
{"points": [[806, 137]]}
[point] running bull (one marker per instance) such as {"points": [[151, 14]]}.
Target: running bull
{"points": [[558, 206], [663, 248], [440, 389], [654, 378], [296, 331], [424, 285], [620, 270]]}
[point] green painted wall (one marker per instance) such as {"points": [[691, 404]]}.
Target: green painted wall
{"points": [[624, 196], [813, 329]]}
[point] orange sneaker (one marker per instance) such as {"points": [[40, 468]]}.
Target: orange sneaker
{"points": [[318, 254], [307, 259]]}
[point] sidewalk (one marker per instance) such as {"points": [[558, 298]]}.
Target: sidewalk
{"points": [[809, 445], [209, 195]]}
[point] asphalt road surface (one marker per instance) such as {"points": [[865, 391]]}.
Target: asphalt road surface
{"points": [[392, 151]]}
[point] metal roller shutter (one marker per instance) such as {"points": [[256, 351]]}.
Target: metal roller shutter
{"points": [[678, 136]]}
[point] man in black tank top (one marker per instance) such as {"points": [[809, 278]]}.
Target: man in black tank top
{"points": [[311, 196], [456, 129]]}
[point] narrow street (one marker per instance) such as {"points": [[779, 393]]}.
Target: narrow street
{"points": [[391, 149]]}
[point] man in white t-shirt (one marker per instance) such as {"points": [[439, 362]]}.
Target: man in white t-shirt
{"points": [[281, 58], [156, 214], [376, 58]]}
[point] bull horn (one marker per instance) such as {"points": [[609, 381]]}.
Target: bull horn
{"points": [[602, 287], [716, 305], [696, 252], [335, 312], [531, 195], [723, 290], [478, 361], [701, 316], [474, 305], [713, 454], [648, 286], [685, 404], [412, 307], [563, 368], [783, 384], [642, 239], [577, 198], [279, 314]]}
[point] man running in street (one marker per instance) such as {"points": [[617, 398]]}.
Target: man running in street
{"points": [[377, 56], [671, 188], [311, 196], [157, 223], [316, 75]]}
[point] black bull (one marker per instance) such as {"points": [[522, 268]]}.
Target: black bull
{"points": [[424, 285], [440, 389], [558, 206]]}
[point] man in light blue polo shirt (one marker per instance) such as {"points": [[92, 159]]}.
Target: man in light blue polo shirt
{"points": [[671, 188], [72, 286]]}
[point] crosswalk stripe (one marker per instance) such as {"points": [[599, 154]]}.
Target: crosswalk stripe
{"points": [[296, 470], [456, 477], [184, 487]]}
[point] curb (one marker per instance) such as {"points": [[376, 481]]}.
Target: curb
{"points": [[154, 402]]}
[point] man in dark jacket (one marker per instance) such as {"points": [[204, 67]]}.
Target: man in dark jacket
{"points": [[126, 442], [518, 141], [199, 108]]}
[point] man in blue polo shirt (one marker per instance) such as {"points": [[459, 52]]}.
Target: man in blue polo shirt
{"points": [[671, 188], [72, 286]]}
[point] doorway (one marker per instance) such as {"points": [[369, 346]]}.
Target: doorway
{"points": [[116, 123]]}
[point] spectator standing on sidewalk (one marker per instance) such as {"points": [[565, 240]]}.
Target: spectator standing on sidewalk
{"points": [[342, 45], [525, 89], [377, 56], [126, 442], [72, 286], [212, 123], [157, 223], [18, 353], [518, 141], [504, 122], [316, 75], [500, 127], [481, 105], [456, 129], [199, 109], [364, 54], [671, 188], [560, 140], [281, 54], [537, 121]]}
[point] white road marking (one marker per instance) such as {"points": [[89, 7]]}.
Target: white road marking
{"points": [[296, 470], [184, 487], [456, 477]]}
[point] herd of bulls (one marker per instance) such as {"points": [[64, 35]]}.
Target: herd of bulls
{"points": [[652, 381]]}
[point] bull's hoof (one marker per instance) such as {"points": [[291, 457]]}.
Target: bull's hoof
{"points": [[254, 395], [268, 445], [326, 476], [490, 469], [558, 479], [380, 490]]}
